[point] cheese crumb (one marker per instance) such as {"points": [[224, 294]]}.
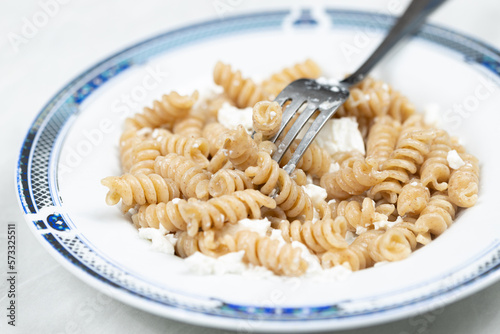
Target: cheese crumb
{"points": [[334, 166], [341, 135], [231, 117], [454, 160], [159, 241], [317, 194], [261, 226], [385, 223]]}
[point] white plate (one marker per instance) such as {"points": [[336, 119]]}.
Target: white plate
{"points": [[72, 144]]}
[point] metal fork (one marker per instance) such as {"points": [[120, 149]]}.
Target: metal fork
{"points": [[328, 98]]}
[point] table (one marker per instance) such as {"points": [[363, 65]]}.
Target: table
{"points": [[72, 37]]}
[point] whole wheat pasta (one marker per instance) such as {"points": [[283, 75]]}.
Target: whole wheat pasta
{"points": [[243, 92], [191, 179], [241, 148], [355, 176], [319, 236], [382, 138], [412, 146], [272, 179], [315, 161], [464, 182], [191, 176], [435, 218], [263, 251], [164, 112], [227, 181], [413, 198], [435, 171], [138, 189], [209, 242], [215, 133], [275, 84], [266, 117]]}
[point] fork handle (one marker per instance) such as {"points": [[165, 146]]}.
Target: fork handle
{"points": [[410, 21]]}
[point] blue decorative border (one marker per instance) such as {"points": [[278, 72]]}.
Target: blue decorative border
{"points": [[33, 165]]}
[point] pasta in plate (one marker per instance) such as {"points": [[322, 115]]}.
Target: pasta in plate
{"points": [[210, 186]]}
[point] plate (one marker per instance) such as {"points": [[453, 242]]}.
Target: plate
{"points": [[72, 145]]}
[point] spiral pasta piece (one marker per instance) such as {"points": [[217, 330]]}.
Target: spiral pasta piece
{"points": [[209, 242], [171, 107], [435, 218], [355, 257], [413, 144], [413, 198], [282, 259], [367, 103], [191, 127], [219, 161], [315, 161], [241, 148], [215, 133], [130, 138], [362, 212], [196, 149], [274, 180], [227, 208], [319, 236], [278, 81], [139, 189], [464, 182], [435, 172], [227, 181], [166, 214], [191, 179], [382, 138], [266, 117], [243, 92], [400, 107], [392, 245], [355, 176]]}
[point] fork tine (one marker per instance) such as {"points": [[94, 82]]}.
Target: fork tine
{"points": [[288, 114], [310, 134], [294, 131]]}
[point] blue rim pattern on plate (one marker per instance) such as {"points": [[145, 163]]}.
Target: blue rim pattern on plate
{"points": [[37, 184]]}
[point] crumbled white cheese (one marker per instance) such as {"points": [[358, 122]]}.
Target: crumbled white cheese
{"points": [[261, 226], [360, 230], [316, 271], [317, 194], [341, 135], [432, 114], [350, 237], [384, 222], [230, 263], [176, 200], [159, 241], [334, 166], [231, 117], [414, 183], [454, 160], [309, 179]]}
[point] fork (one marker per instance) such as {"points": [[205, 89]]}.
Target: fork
{"points": [[327, 98]]}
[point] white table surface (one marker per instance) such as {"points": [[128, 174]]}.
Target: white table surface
{"points": [[80, 33]]}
